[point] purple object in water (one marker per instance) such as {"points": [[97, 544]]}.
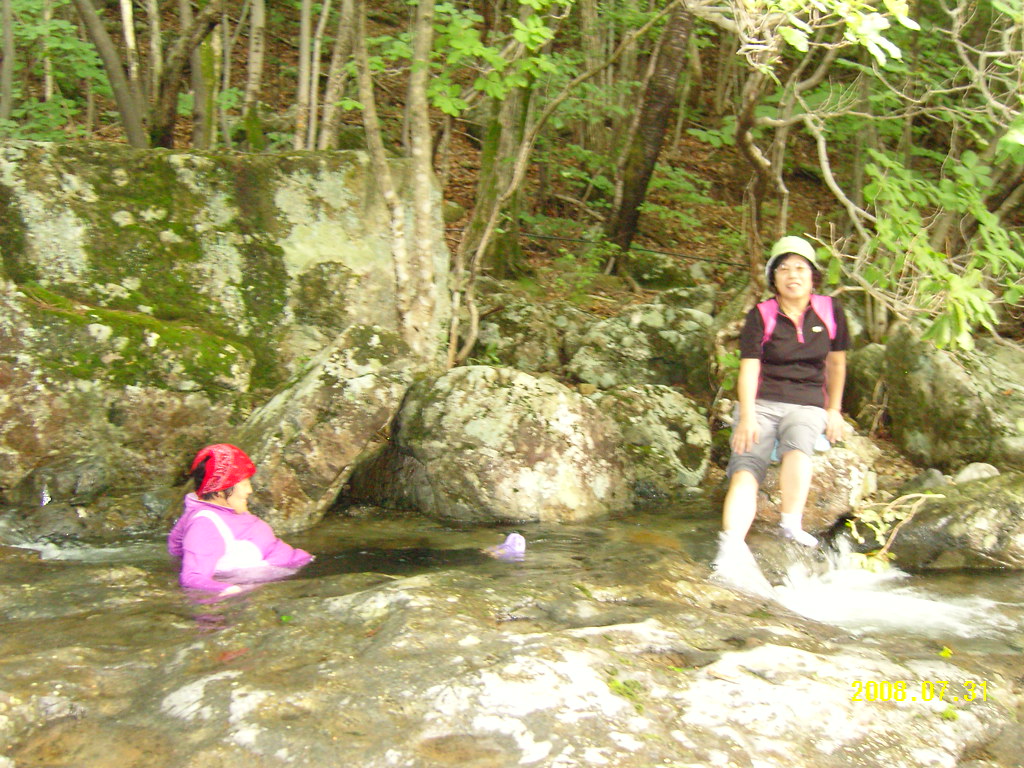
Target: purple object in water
{"points": [[513, 548]]}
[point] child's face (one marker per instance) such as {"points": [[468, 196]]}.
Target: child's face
{"points": [[239, 498]]}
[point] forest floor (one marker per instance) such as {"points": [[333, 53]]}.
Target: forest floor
{"points": [[707, 228]]}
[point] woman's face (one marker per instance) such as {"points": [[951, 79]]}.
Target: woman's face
{"points": [[239, 498], [794, 278]]}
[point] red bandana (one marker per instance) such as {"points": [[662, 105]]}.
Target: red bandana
{"points": [[227, 466]]}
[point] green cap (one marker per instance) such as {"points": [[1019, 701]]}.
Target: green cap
{"points": [[785, 246]]}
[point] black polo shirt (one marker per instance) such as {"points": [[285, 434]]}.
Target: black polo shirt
{"points": [[793, 368]]}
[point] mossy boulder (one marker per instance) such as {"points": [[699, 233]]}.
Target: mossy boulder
{"points": [[496, 444], [151, 299], [306, 439], [664, 433], [979, 524], [650, 344], [528, 336], [949, 409]]}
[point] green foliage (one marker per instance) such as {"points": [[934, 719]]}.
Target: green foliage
{"points": [[723, 136], [956, 293], [729, 369], [73, 65], [862, 23], [459, 49], [633, 690]]}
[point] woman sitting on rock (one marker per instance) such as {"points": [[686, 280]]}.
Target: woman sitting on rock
{"points": [[218, 535], [790, 388]]}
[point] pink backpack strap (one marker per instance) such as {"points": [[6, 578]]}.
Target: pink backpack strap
{"points": [[769, 316], [823, 308]]}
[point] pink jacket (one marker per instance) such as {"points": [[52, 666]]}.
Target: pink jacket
{"points": [[198, 540]]}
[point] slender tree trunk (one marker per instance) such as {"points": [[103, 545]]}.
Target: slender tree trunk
{"points": [[131, 51], [421, 294], [642, 154], [254, 76], [380, 168], [156, 45], [302, 97], [230, 40], [200, 93], [48, 84], [505, 129], [337, 76], [127, 105], [165, 106], [7, 62], [693, 74], [591, 40], [314, 74], [726, 73]]}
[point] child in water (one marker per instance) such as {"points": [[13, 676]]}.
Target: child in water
{"points": [[218, 535]]}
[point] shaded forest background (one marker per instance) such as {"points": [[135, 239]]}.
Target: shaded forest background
{"points": [[592, 149]]}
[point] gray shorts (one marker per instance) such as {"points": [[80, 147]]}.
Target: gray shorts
{"points": [[796, 427]]}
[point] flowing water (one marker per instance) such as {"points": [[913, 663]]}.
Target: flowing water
{"points": [[985, 609]]}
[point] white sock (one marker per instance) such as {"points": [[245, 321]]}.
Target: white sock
{"points": [[791, 524], [792, 521]]}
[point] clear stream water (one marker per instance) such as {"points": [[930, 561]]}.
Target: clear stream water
{"points": [[983, 609]]}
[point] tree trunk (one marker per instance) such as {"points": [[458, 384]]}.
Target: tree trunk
{"points": [[504, 135], [642, 154], [254, 76], [302, 97], [156, 45], [131, 50], [127, 105], [48, 83], [595, 137], [7, 63], [165, 106], [757, 187], [314, 74], [337, 76], [420, 292], [380, 169], [201, 117]]}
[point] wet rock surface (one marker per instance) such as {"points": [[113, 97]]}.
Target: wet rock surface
{"points": [[605, 646]]}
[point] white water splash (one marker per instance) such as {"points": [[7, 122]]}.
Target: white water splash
{"points": [[863, 601]]}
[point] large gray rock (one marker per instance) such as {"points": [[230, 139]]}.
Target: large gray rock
{"points": [[305, 439], [948, 410], [979, 524], [499, 444], [649, 344], [664, 433]]}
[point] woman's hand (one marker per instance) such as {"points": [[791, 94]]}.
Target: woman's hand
{"points": [[745, 434], [835, 427]]}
